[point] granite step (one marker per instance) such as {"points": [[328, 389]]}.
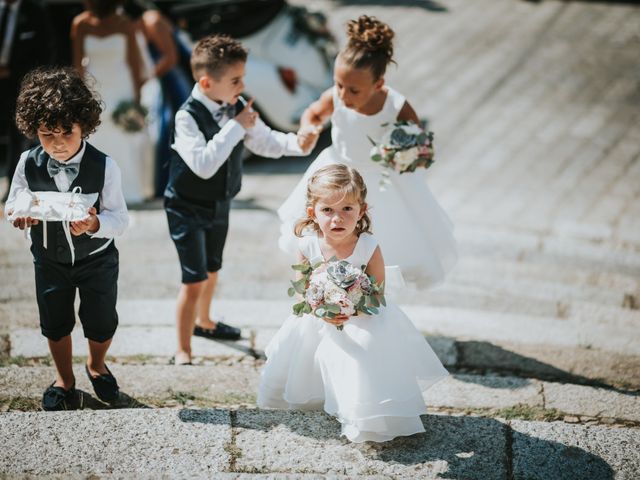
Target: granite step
{"points": [[234, 383], [200, 443]]}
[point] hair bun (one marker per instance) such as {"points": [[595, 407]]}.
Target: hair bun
{"points": [[369, 33]]}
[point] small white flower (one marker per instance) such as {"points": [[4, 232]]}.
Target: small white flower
{"points": [[404, 158], [412, 129]]}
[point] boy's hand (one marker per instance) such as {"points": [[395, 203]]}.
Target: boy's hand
{"points": [[248, 116], [308, 137], [23, 222], [91, 224]]}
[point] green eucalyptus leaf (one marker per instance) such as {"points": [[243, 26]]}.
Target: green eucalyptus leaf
{"points": [[331, 307]]}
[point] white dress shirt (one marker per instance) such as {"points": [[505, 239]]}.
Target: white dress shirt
{"points": [[113, 217], [205, 158]]}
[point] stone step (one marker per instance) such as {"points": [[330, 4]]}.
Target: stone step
{"points": [[599, 329], [571, 349], [609, 270], [199, 443], [555, 282], [235, 383]]}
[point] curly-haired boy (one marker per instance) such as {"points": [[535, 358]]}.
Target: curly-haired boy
{"points": [[57, 107]]}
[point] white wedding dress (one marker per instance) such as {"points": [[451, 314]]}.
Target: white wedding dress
{"points": [[105, 60], [371, 375], [413, 230]]}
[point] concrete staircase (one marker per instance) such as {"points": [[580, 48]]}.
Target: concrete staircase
{"points": [[535, 110]]}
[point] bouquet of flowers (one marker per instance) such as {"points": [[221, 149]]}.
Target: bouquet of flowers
{"points": [[405, 147], [335, 288], [130, 116]]}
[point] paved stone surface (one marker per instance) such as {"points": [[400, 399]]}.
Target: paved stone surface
{"points": [[591, 401], [308, 442], [235, 382], [182, 442], [557, 450], [535, 109]]}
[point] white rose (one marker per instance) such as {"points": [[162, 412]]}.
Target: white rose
{"points": [[354, 295], [333, 293], [404, 158], [412, 129]]}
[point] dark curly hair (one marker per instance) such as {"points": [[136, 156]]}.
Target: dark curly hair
{"points": [[370, 45], [213, 54], [56, 98]]}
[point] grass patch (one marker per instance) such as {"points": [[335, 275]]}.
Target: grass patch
{"points": [[182, 397], [20, 404], [519, 412], [530, 413]]}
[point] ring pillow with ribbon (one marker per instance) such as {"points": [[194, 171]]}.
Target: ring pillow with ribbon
{"points": [[65, 207]]}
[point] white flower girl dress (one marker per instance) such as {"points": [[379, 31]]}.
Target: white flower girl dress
{"points": [[370, 376], [413, 230]]}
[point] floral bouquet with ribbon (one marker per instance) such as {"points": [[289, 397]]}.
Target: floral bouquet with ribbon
{"points": [[130, 116], [335, 288], [403, 148]]}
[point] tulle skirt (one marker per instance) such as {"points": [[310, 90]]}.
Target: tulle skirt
{"points": [[371, 376], [413, 230]]}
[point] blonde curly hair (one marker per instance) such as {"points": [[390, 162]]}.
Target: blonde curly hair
{"points": [[328, 181]]}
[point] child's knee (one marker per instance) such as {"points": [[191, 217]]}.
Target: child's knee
{"points": [[193, 290]]}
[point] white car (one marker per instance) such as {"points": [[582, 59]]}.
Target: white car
{"points": [[291, 50]]}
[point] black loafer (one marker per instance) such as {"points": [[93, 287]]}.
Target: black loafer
{"points": [[221, 332], [57, 398], [105, 385]]}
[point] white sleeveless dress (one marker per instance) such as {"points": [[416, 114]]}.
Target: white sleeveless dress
{"points": [[413, 230], [370, 376], [105, 60]]}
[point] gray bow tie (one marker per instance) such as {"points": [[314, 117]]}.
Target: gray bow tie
{"points": [[225, 109], [70, 170]]}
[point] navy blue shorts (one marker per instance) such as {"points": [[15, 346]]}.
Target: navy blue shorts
{"points": [[199, 235], [96, 279]]}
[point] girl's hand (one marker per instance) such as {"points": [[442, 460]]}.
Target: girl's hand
{"points": [[308, 137], [91, 224], [24, 222], [337, 320]]}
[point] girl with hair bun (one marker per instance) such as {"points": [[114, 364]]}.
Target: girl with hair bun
{"points": [[413, 230]]}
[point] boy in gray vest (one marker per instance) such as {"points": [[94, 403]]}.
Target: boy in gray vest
{"points": [[56, 106], [205, 173]]}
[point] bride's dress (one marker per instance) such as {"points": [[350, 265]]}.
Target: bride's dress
{"points": [[105, 60]]}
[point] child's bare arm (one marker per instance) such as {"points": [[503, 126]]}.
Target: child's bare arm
{"points": [[375, 266], [407, 113], [319, 111]]}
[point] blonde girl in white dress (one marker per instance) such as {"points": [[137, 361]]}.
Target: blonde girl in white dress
{"points": [[372, 374], [414, 231]]}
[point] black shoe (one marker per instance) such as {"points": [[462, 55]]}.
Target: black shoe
{"points": [[105, 385], [221, 332], [57, 398]]}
